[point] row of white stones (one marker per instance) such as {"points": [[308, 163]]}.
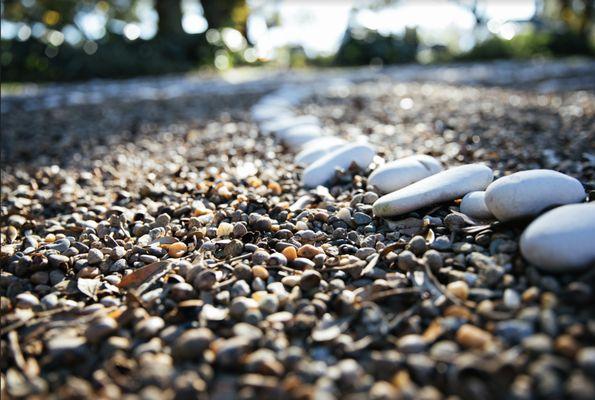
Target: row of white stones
{"points": [[562, 239]]}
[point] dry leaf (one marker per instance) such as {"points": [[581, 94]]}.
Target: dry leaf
{"points": [[89, 287], [139, 276]]}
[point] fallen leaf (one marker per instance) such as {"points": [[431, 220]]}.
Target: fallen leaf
{"points": [[141, 275], [89, 287]]}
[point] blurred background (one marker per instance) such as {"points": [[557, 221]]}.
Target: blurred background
{"points": [[65, 40]]}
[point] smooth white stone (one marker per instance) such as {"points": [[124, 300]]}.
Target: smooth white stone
{"points": [[281, 124], [474, 205], [317, 148], [562, 239], [443, 186], [527, 193], [322, 170], [397, 174], [266, 112], [298, 136]]}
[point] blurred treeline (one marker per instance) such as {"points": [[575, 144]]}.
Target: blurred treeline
{"points": [[558, 28]]}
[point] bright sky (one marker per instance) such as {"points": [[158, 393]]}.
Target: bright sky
{"points": [[319, 25]]}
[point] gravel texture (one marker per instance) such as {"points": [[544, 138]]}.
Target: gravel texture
{"points": [[181, 258]]}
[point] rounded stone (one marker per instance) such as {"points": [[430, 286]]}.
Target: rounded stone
{"points": [[397, 174], [562, 239], [443, 186], [473, 204], [323, 170], [528, 193], [296, 137], [317, 148], [192, 343]]}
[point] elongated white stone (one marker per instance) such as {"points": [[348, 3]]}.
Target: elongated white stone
{"points": [[562, 239], [322, 170], [397, 174], [266, 112], [317, 148], [528, 193], [443, 186], [279, 125], [473, 204], [298, 136]]}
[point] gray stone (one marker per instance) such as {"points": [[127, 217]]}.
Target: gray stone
{"points": [[443, 186], [561, 239], [527, 193]]}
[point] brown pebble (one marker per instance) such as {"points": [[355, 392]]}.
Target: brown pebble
{"points": [[177, 249], [260, 272], [566, 345], [473, 337], [290, 253], [309, 251], [459, 289]]}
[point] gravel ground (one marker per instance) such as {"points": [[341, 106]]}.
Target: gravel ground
{"points": [[166, 250]]}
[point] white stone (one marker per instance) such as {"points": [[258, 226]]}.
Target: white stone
{"points": [[317, 148], [474, 205], [295, 138], [397, 174], [562, 239], [443, 186], [266, 112], [322, 170], [279, 125], [528, 193]]}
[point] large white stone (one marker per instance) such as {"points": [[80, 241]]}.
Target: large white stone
{"points": [[279, 125], [562, 239], [443, 186], [317, 148], [295, 138], [473, 204], [322, 170], [528, 193], [397, 174]]}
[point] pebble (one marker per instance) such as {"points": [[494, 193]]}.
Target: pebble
{"points": [[100, 329], [310, 279], [443, 186], [290, 253], [308, 251], [95, 256], [459, 289], [528, 193], [26, 300], [192, 343], [562, 239], [322, 171], [473, 337], [149, 327], [400, 173], [473, 204]]}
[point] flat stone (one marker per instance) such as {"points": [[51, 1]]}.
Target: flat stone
{"points": [[295, 138], [283, 123], [266, 112], [321, 171], [528, 193], [562, 239], [473, 204], [317, 148], [397, 174], [443, 186]]}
